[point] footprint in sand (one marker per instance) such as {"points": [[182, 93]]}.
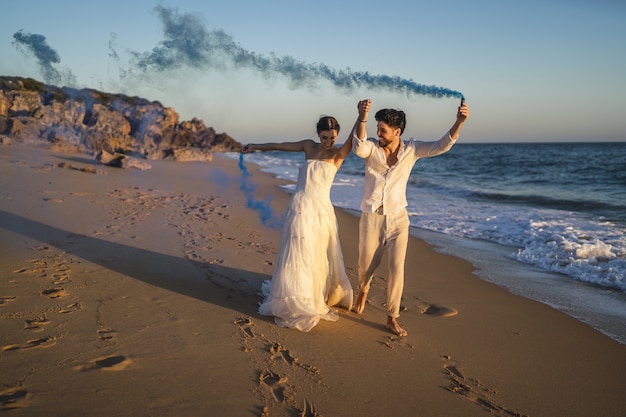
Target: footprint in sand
{"points": [[308, 410], [13, 398], [112, 363], [275, 379], [107, 363], [106, 335], [278, 351], [245, 325], [474, 391], [59, 279], [71, 308], [62, 267], [6, 299], [439, 311], [274, 384], [279, 393], [55, 292], [44, 342], [396, 341], [435, 310], [36, 325]]}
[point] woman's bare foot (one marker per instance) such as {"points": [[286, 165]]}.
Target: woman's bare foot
{"points": [[359, 304], [394, 326]]}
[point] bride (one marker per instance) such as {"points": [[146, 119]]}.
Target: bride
{"points": [[310, 277]]}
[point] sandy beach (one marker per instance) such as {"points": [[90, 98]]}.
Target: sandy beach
{"points": [[134, 293]]}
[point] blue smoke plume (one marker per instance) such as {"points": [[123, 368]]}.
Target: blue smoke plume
{"points": [[263, 207], [188, 42], [46, 57]]}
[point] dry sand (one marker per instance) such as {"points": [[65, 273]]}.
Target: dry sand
{"points": [[134, 293]]}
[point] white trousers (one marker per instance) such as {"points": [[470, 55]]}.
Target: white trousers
{"points": [[378, 232]]}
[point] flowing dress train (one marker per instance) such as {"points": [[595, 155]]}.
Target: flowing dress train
{"points": [[309, 275]]}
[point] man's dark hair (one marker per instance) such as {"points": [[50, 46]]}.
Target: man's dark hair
{"points": [[393, 118]]}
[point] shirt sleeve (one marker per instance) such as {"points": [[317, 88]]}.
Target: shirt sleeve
{"points": [[361, 146], [429, 149]]}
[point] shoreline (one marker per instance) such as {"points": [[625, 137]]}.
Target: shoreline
{"points": [[135, 293], [602, 308]]}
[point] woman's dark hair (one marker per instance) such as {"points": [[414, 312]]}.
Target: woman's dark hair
{"points": [[393, 118], [327, 123]]}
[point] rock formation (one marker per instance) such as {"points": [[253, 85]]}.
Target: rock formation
{"points": [[91, 121]]}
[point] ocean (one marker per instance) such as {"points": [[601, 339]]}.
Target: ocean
{"points": [[547, 221]]}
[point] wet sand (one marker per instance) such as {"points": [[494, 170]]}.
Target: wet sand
{"points": [[134, 293]]}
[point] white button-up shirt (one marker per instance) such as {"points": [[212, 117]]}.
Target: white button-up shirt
{"points": [[386, 185]]}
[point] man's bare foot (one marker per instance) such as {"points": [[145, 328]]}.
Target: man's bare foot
{"points": [[359, 304], [394, 326]]}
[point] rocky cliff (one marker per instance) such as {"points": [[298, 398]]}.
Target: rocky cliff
{"points": [[92, 121]]}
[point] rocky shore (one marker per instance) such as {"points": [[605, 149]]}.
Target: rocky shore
{"points": [[112, 127]]}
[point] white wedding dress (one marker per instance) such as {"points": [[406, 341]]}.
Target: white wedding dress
{"points": [[309, 275]]}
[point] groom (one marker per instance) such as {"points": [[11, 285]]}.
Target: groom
{"points": [[384, 223]]}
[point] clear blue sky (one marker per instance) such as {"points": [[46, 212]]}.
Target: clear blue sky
{"points": [[535, 70]]}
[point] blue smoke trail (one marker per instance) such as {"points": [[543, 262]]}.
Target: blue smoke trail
{"points": [[188, 42], [46, 57], [263, 207]]}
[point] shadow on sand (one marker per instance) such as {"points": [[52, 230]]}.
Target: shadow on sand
{"points": [[215, 284]]}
